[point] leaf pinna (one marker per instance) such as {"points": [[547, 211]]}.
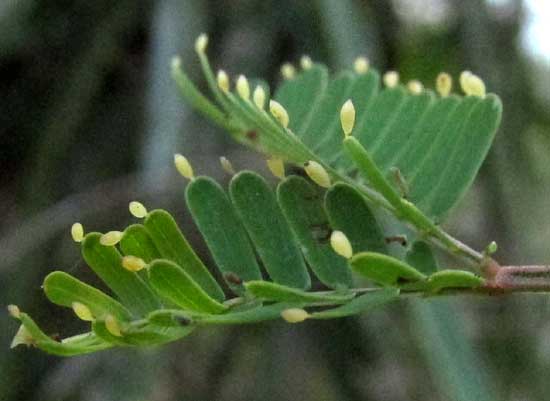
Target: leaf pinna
{"points": [[360, 149]]}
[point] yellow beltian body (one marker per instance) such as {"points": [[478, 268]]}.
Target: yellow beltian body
{"points": [[223, 81], [133, 263], [340, 244], [243, 88], [294, 315], [347, 117], [415, 87], [200, 43], [288, 71], [305, 62], [259, 97], [14, 311], [82, 311], [444, 84], [276, 166], [183, 166], [227, 166], [279, 112], [471, 84], [77, 232], [110, 238], [391, 79], [361, 65], [112, 326], [137, 209], [317, 173]]}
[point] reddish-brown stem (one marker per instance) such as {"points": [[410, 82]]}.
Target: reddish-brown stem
{"points": [[521, 278], [489, 268]]}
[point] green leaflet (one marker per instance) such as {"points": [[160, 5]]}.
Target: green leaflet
{"points": [[77, 345], [409, 157], [449, 164], [273, 240], [136, 241], [361, 304], [383, 269], [453, 279], [303, 208], [398, 133], [63, 289], [141, 333], [254, 315], [301, 97], [173, 283], [383, 112], [222, 229], [172, 245], [420, 257], [106, 261], [348, 212], [466, 157], [280, 293], [435, 157]]}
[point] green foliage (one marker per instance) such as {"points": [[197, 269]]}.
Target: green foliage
{"points": [[420, 256], [137, 241], [172, 245], [361, 304], [264, 221], [266, 290], [348, 212], [384, 270], [80, 344], [172, 283], [438, 144], [63, 289], [141, 333], [106, 262], [222, 229], [453, 279], [416, 154], [302, 205]]}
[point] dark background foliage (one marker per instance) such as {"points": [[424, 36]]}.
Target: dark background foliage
{"points": [[90, 119]]}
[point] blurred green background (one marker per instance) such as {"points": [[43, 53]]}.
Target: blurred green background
{"points": [[90, 119]]}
